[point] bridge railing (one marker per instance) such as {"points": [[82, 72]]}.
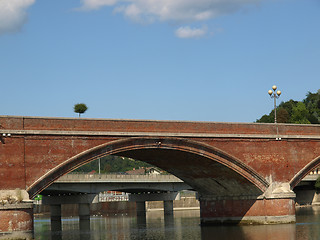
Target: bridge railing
{"points": [[85, 177], [76, 177]]}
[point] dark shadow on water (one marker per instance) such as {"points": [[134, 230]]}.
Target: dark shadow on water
{"points": [[141, 221], [169, 226], [56, 230], [84, 226], [141, 226]]}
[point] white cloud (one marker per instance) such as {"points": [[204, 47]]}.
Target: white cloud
{"points": [[170, 10], [96, 4], [188, 32], [13, 14]]}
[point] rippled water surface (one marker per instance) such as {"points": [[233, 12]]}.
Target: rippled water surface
{"points": [[184, 225]]}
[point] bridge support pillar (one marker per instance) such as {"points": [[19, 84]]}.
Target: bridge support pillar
{"points": [[247, 211], [55, 217], [168, 207], [271, 208], [84, 202], [166, 197], [84, 211], [141, 208], [84, 216]]}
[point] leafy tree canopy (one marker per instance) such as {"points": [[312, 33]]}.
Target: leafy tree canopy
{"points": [[301, 112], [80, 108]]}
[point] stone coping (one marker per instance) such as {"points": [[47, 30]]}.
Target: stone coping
{"points": [[279, 137], [16, 206], [157, 120]]}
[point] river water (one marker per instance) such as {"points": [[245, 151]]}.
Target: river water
{"points": [[183, 225]]}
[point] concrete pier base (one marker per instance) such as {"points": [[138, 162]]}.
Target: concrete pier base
{"points": [[84, 217], [55, 217], [166, 197], [168, 207], [84, 202], [16, 220], [141, 208], [247, 211], [84, 211]]}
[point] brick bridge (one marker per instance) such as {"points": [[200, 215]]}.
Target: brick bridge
{"points": [[243, 172]]}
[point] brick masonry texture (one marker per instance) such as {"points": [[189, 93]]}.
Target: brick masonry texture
{"points": [[225, 159]]}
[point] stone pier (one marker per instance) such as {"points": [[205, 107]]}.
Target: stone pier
{"points": [[15, 218], [16, 214], [275, 206], [166, 197], [55, 217], [168, 207]]}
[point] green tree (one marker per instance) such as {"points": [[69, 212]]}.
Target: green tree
{"points": [[301, 112], [266, 118], [80, 108], [312, 102], [282, 115], [289, 105]]}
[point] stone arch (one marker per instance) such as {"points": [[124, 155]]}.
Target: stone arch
{"points": [[304, 172], [210, 169]]}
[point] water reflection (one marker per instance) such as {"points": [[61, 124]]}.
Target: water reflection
{"points": [[261, 232], [56, 230], [183, 225], [308, 220]]}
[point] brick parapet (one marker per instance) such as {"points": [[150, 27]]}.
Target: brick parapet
{"points": [[152, 126]]}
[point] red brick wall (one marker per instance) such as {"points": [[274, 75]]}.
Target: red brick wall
{"points": [[16, 219], [26, 158]]}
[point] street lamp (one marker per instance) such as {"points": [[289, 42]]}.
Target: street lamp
{"points": [[274, 94]]}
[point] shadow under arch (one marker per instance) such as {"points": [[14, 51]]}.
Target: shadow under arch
{"points": [[203, 167], [304, 172]]}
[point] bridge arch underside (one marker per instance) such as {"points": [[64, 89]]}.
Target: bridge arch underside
{"points": [[230, 191], [204, 174], [209, 171]]}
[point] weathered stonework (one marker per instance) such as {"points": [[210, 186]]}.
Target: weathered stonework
{"points": [[16, 218], [247, 211]]}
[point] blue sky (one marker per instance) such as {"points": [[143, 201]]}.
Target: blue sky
{"points": [[205, 60]]}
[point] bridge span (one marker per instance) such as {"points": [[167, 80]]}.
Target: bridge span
{"points": [[96, 183], [84, 189], [243, 172]]}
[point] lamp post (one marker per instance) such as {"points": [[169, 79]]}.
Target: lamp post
{"points": [[274, 94]]}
